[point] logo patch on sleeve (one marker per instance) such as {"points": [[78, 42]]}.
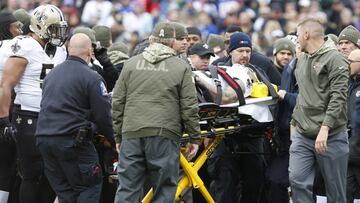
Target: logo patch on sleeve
{"points": [[103, 90], [15, 47]]}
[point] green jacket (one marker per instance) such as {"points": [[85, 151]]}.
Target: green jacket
{"points": [[155, 96], [323, 84]]}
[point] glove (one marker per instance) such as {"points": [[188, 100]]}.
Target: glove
{"points": [[7, 130], [101, 55]]}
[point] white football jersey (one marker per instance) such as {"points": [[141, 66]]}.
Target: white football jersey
{"points": [[4, 53], [29, 88], [235, 72]]}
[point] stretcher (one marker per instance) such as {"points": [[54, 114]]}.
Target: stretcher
{"points": [[217, 122]]}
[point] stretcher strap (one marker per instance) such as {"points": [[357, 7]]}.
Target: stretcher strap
{"points": [[215, 78], [233, 84]]}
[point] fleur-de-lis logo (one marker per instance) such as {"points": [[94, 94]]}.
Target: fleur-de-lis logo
{"points": [[15, 47], [162, 33], [206, 46]]}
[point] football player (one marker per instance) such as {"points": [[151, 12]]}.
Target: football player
{"points": [[31, 57], [10, 27]]}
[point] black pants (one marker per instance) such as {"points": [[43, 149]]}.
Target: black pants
{"points": [[353, 183], [238, 177], [7, 164], [34, 186], [74, 172], [277, 173]]}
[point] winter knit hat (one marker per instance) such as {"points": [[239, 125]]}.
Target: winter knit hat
{"points": [[85, 30], [350, 33], [180, 30], [238, 40], [216, 43], [103, 35], [22, 15], [283, 44], [164, 30]]}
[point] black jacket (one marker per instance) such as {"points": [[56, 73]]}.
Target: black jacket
{"points": [[74, 96], [108, 72], [353, 94], [354, 113], [286, 106]]}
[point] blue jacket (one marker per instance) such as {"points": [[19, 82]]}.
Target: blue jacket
{"points": [[354, 141], [286, 106]]}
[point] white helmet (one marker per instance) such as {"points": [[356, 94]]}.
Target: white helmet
{"points": [[48, 22]]}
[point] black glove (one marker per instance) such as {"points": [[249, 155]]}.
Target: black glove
{"points": [[101, 56], [7, 130]]}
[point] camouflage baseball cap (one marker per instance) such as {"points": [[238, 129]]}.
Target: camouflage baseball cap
{"points": [[216, 43], [85, 30], [103, 35], [120, 46], [180, 30], [22, 15], [164, 30]]}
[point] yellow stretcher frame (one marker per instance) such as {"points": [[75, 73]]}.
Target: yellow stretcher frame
{"points": [[191, 179]]}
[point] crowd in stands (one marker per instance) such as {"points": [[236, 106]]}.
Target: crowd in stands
{"points": [[264, 20]]}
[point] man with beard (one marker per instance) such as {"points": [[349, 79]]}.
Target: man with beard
{"points": [[283, 52], [239, 176]]}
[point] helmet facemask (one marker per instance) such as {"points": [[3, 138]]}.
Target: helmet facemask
{"points": [[57, 33]]}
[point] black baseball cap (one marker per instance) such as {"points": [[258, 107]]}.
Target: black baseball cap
{"points": [[200, 49]]}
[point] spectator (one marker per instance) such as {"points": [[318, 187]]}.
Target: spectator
{"points": [[217, 46], [194, 36], [283, 52], [96, 12], [349, 40]]}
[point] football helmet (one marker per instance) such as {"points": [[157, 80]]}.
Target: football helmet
{"points": [[48, 22]]}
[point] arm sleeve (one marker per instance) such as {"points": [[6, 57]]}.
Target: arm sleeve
{"points": [[110, 75], [118, 105], [356, 119], [338, 82], [20, 48], [189, 107], [290, 99], [101, 109]]}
